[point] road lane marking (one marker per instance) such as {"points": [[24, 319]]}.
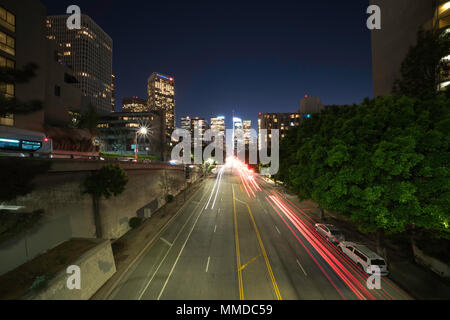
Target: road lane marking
{"points": [[269, 268], [300, 265], [238, 254], [212, 192], [168, 251], [149, 244], [251, 260], [215, 228], [218, 187], [277, 230], [207, 264], [166, 242], [178, 257]]}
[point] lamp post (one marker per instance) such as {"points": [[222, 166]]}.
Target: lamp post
{"points": [[142, 131]]}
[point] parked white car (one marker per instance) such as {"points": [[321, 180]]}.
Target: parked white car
{"points": [[330, 232], [364, 257]]}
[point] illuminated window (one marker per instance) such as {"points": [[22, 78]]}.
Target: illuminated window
{"points": [[6, 63], [7, 89], [7, 43], [7, 19], [8, 120]]}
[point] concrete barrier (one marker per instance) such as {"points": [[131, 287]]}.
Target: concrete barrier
{"points": [[69, 212], [96, 267]]}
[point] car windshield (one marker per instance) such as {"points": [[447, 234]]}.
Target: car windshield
{"points": [[378, 262]]}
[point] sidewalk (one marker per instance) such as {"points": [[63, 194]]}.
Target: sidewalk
{"points": [[419, 282], [128, 249]]}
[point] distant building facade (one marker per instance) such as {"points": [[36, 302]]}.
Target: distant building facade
{"points": [[199, 127], [119, 133], [186, 123], [281, 121], [247, 127], [161, 97], [310, 105], [134, 104], [401, 19], [218, 125], [88, 52], [22, 41]]}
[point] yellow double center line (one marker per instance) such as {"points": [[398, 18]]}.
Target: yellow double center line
{"points": [[269, 268], [263, 250], [238, 254]]}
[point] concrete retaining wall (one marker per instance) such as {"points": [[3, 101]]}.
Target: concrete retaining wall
{"points": [[96, 267], [69, 214], [433, 264]]}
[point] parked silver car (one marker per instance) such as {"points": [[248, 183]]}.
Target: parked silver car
{"points": [[365, 258], [330, 232]]}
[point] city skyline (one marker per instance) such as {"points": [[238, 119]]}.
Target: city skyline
{"points": [[205, 87]]}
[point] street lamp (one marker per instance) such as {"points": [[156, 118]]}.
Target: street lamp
{"points": [[142, 131]]}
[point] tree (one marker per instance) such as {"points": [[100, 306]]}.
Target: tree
{"points": [[89, 119], [12, 105], [109, 181], [384, 163], [424, 65]]}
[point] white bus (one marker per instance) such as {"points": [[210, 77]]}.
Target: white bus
{"points": [[24, 143]]}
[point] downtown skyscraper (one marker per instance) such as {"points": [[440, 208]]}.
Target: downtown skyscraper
{"points": [[88, 52], [161, 97]]}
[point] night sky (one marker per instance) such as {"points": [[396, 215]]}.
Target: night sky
{"points": [[247, 56]]}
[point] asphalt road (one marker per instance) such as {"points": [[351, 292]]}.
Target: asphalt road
{"points": [[238, 238]]}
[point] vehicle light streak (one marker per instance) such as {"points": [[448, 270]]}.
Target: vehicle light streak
{"points": [[307, 250], [363, 276], [218, 178], [354, 285]]}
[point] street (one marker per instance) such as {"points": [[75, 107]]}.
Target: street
{"points": [[238, 238]]}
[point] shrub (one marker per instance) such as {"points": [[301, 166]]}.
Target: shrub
{"points": [[41, 282], [135, 222], [170, 198]]}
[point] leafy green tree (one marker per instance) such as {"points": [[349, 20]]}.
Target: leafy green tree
{"points": [[109, 181], [12, 105], [384, 163], [424, 66]]}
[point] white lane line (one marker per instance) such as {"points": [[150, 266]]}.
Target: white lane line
{"points": [[218, 188], [178, 257], [168, 251], [207, 264], [218, 211], [277, 230], [212, 192], [166, 242], [300, 265], [215, 228]]}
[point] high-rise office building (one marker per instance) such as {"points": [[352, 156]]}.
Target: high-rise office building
{"points": [[238, 132], [310, 105], [186, 123], [401, 19], [218, 125], [23, 40], [247, 127], [134, 104], [199, 126], [88, 52], [161, 96]]}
